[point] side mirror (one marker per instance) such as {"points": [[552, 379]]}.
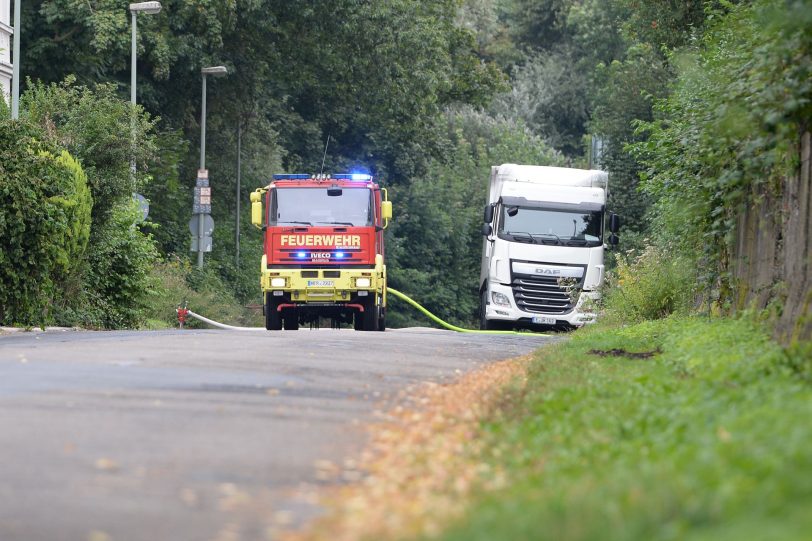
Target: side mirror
{"points": [[487, 230], [386, 210], [256, 213], [614, 223], [614, 240], [488, 215]]}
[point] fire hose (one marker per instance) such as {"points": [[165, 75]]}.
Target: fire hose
{"points": [[183, 312], [445, 324]]}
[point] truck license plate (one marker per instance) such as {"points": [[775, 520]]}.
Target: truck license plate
{"points": [[320, 283], [542, 320]]}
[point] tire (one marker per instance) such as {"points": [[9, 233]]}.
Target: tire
{"points": [[371, 317], [273, 322], [291, 319], [485, 324], [358, 321], [381, 320], [368, 319]]}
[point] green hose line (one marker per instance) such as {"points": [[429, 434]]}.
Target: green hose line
{"points": [[449, 326]]}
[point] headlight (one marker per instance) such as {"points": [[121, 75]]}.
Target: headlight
{"points": [[500, 298], [363, 282], [278, 282]]}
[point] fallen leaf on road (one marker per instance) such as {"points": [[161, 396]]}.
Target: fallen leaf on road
{"points": [[106, 464]]}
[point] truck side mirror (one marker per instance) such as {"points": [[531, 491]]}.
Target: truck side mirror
{"points": [[488, 215], [256, 208], [614, 223], [386, 210], [487, 230], [614, 240]]}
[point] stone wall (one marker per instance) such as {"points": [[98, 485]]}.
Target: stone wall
{"points": [[772, 258]]}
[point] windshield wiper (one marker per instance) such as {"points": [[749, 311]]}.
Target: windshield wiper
{"points": [[556, 240], [521, 236], [577, 242], [336, 223], [292, 222]]}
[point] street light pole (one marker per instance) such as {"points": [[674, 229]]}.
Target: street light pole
{"points": [[215, 71], [239, 171], [147, 8], [15, 78]]}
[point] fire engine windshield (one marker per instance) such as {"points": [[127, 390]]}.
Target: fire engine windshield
{"points": [[313, 206], [550, 226]]}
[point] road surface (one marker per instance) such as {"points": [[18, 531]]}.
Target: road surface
{"points": [[199, 434]]}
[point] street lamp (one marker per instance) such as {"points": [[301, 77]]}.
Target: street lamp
{"points": [[147, 8], [214, 71]]}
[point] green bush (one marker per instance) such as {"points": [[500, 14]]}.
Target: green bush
{"points": [[45, 208], [650, 285], [96, 126], [119, 275]]}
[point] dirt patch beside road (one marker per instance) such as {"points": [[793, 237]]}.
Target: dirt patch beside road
{"points": [[420, 464]]}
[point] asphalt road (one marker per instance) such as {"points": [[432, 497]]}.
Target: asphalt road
{"points": [[199, 435]]}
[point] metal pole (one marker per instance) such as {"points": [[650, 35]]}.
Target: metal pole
{"points": [[15, 81], [132, 102], [200, 233], [239, 167], [132, 61], [203, 127]]}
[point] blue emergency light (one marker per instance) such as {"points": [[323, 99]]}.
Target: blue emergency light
{"points": [[301, 255], [296, 176]]}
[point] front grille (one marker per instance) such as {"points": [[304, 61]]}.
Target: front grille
{"points": [[544, 294]]}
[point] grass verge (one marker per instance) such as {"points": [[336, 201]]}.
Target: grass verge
{"points": [[682, 428]]}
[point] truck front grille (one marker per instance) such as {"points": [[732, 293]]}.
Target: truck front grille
{"points": [[544, 294]]}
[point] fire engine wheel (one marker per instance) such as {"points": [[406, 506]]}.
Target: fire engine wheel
{"points": [[291, 319], [381, 320], [272, 320], [368, 319]]}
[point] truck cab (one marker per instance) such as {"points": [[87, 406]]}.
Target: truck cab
{"points": [[543, 248], [323, 250]]}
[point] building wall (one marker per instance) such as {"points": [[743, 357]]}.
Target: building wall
{"points": [[5, 47]]}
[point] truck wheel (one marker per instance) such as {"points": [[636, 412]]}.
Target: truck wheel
{"points": [[484, 323], [368, 319], [371, 318], [272, 320], [291, 318], [381, 319], [358, 321]]}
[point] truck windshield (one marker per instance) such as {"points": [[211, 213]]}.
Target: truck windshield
{"points": [[548, 226], [312, 206]]}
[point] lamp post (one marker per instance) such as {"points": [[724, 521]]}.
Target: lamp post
{"points": [[147, 8], [15, 78], [214, 71]]}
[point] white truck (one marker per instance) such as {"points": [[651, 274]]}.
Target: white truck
{"points": [[542, 255]]}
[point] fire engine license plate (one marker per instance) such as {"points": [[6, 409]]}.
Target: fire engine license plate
{"points": [[542, 320], [320, 283]]}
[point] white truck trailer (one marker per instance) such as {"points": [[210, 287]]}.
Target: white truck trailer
{"points": [[542, 255]]}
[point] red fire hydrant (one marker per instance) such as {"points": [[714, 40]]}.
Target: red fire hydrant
{"points": [[182, 313]]}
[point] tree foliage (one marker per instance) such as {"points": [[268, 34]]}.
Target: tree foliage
{"points": [[44, 223], [727, 131]]}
